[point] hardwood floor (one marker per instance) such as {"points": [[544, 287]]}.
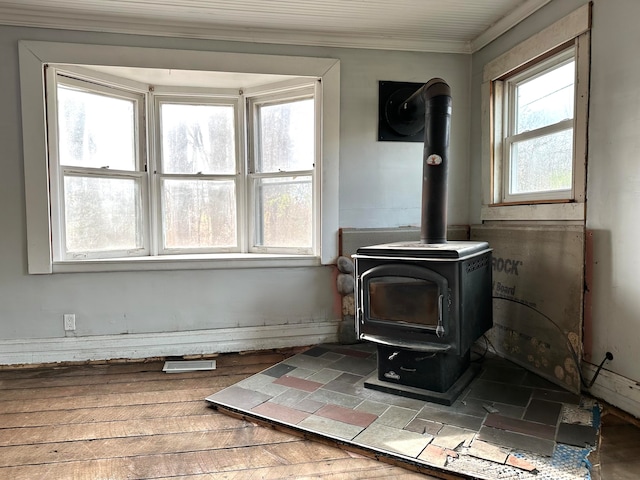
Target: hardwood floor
{"points": [[619, 452], [132, 421]]}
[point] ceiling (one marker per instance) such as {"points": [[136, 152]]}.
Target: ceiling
{"points": [[451, 26]]}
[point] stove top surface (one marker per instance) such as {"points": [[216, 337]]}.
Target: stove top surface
{"points": [[456, 249]]}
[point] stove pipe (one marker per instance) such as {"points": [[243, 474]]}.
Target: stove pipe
{"points": [[433, 100]]}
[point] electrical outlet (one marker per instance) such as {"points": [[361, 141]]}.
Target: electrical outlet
{"points": [[69, 321]]}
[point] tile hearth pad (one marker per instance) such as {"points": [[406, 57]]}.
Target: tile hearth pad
{"points": [[508, 423]]}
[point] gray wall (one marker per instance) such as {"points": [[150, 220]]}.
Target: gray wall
{"points": [[379, 186], [613, 183], [381, 182]]}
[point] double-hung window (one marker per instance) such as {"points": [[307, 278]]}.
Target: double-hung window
{"points": [[281, 171], [98, 182], [146, 172], [535, 114], [196, 172], [538, 106]]}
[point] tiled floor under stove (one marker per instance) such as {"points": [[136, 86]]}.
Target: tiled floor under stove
{"points": [[509, 423]]}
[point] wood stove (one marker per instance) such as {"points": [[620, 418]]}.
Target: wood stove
{"points": [[424, 306], [425, 303]]}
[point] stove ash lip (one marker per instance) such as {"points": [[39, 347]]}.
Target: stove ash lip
{"points": [[430, 106]]}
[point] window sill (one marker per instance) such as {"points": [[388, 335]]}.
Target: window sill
{"points": [[536, 211], [187, 262]]}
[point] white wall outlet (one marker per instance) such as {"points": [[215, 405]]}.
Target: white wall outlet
{"points": [[69, 321]]}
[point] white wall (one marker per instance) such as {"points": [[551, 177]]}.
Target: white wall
{"points": [[379, 186], [613, 182], [381, 182]]}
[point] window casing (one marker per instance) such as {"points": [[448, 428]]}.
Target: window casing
{"points": [[197, 68], [542, 197], [140, 172]]}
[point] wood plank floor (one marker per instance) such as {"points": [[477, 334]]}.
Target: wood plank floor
{"points": [[132, 421], [619, 452]]}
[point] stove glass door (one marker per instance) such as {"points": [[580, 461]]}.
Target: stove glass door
{"points": [[404, 299], [404, 295]]}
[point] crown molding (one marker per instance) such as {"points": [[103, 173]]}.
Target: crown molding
{"points": [[68, 20], [48, 18], [506, 23]]}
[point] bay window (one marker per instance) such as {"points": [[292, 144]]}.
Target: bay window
{"points": [[165, 165]]}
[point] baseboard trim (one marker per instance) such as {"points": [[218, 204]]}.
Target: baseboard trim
{"points": [[619, 391], [145, 345]]}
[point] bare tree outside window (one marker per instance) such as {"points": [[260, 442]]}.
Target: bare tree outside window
{"points": [[95, 130], [198, 138], [102, 214], [198, 213]]}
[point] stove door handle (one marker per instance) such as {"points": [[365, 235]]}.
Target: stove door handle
{"points": [[440, 327]]}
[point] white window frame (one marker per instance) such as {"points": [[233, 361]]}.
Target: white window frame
{"points": [[35, 55], [74, 79], [572, 31], [256, 100], [509, 137], [210, 98]]}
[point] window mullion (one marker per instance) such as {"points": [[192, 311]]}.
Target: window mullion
{"points": [[251, 227], [243, 154], [149, 166], [154, 167]]}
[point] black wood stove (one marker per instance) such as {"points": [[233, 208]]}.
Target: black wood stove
{"points": [[425, 303]]}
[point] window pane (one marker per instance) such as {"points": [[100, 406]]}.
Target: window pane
{"points": [[198, 139], [546, 99], [542, 164], [285, 212], [102, 214], [95, 130], [198, 213], [286, 136]]}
